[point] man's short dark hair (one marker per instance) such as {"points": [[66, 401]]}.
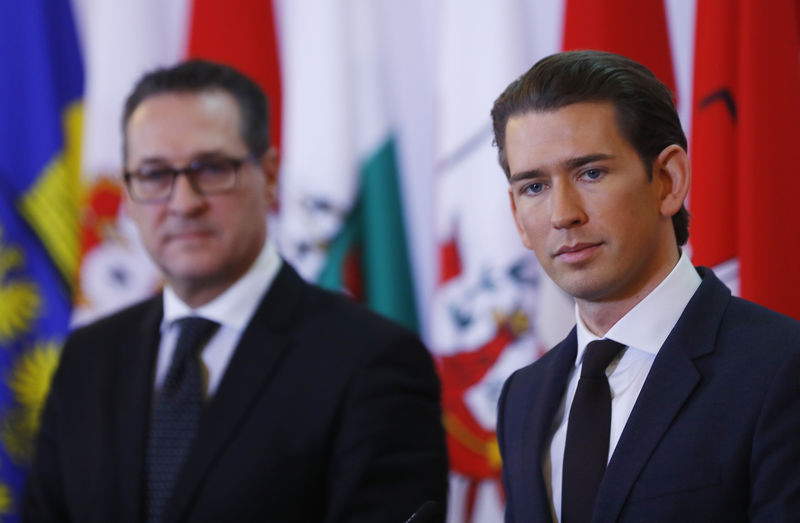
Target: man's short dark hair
{"points": [[195, 76], [645, 112]]}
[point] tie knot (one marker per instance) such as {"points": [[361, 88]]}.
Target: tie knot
{"points": [[598, 355], [194, 331]]}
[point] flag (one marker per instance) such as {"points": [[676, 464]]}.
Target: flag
{"points": [[242, 35], [484, 304], [40, 123], [341, 213], [122, 41], [633, 28], [746, 108]]}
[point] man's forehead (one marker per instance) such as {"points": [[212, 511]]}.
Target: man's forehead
{"points": [[537, 139], [214, 103], [178, 126]]}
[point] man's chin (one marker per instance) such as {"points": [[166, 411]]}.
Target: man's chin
{"points": [[581, 285], [194, 273]]}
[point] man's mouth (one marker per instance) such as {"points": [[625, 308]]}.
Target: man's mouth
{"points": [[189, 234], [576, 252]]}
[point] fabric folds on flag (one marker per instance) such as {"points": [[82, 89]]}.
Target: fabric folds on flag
{"points": [[633, 28], [369, 257], [242, 35], [484, 305], [341, 213], [122, 41], [40, 124], [746, 108]]}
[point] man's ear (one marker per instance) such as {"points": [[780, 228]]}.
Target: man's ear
{"points": [[671, 169], [270, 166]]}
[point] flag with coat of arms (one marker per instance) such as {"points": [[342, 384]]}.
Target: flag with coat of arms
{"points": [[40, 194]]}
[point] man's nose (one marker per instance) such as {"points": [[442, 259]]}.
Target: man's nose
{"points": [[566, 206], [185, 198]]}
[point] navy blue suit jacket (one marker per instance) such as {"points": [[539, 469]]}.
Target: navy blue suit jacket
{"points": [[713, 436], [326, 412]]}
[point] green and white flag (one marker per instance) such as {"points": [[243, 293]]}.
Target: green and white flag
{"points": [[341, 216]]}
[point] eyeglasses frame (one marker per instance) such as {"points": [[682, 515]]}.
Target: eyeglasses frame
{"points": [[188, 171]]}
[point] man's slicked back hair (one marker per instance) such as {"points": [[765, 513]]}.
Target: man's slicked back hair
{"points": [[643, 106], [197, 76]]}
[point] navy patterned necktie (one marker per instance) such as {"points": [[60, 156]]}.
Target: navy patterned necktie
{"points": [[176, 414], [586, 449]]}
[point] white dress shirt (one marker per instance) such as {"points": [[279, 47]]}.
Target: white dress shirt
{"points": [[232, 310], [643, 330]]}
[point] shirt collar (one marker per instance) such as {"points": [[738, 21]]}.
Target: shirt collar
{"points": [[648, 324], [234, 307]]}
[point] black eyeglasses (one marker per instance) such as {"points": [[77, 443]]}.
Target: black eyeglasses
{"points": [[154, 183]]}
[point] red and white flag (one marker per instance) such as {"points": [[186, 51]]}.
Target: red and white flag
{"points": [[121, 40], [746, 108], [484, 305]]}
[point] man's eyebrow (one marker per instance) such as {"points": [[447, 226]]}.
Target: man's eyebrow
{"points": [[574, 163], [569, 164], [152, 159], [525, 175], [210, 155], [201, 155]]}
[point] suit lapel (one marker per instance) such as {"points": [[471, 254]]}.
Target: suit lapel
{"points": [[257, 357], [133, 415], [543, 405], [667, 388]]}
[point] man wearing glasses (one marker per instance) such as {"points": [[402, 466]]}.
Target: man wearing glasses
{"points": [[240, 393]]}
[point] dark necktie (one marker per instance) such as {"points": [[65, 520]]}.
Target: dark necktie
{"points": [[176, 414], [586, 449]]}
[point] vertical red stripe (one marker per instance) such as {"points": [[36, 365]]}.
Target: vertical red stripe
{"points": [[633, 28], [241, 34], [747, 185], [714, 226]]}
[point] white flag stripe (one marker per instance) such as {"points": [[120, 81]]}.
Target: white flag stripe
{"points": [[319, 158], [121, 41], [489, 307]]}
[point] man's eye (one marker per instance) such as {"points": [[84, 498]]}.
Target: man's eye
{"points": [[155, 175], [210, 167], [534, 188], [593, 174]]}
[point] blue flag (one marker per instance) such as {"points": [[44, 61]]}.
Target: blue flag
{"points": [[41, 84]]}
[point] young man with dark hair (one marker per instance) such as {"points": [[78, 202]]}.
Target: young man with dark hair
{"points": [[240, 393], [670, 400]]}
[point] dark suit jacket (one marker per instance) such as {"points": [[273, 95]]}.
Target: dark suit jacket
{"points": [[326, 412], [714, 435]]}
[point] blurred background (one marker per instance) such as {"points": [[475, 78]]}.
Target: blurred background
{"points": [[390, 188]]}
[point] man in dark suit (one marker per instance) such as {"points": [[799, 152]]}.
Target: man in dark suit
{"points": [[295, 405], [694, 413]]}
